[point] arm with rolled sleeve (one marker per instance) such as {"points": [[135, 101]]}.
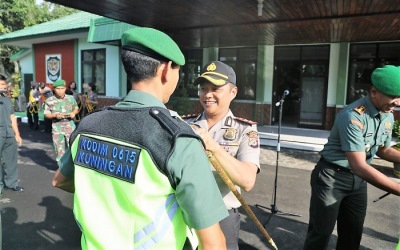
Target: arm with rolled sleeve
{"points": [[351, 135], [197, 192]]}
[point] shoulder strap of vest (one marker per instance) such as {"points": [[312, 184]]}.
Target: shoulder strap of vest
{"points": [[163, 116]]}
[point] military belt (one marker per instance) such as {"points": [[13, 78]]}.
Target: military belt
{"points": [[63, 120], [334, 166]]}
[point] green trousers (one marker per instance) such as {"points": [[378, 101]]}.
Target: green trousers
{"points": [[337, 196], [8, 162]]}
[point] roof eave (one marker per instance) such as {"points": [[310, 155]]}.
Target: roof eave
{"points": [[28, 41]]}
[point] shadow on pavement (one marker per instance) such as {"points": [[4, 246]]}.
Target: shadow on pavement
{"points": [[58, 230], [39, 157]]}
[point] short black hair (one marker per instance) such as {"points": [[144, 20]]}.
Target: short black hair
{"points": [[93, 86], [139, 67], [3, 77]]}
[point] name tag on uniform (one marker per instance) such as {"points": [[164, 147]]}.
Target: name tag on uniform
{"points": [[228, 143], [111, 159]]}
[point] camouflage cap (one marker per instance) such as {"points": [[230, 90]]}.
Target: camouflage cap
{"points": [[387, 80], [152, 43]]}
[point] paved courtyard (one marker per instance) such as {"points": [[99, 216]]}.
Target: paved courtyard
{"points": [[41, 216]]}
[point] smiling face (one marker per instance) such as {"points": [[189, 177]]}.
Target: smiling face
{"points": [[215, 100], [382, 102]]}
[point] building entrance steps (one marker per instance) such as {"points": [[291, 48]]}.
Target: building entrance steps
{"points": [[293, 138]]}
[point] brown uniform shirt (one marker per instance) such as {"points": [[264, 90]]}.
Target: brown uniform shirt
{"points": [[237, 136]]}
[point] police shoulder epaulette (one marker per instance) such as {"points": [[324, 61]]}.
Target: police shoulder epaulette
{"points": [[360, 109], [245, 120], [189, 116]]}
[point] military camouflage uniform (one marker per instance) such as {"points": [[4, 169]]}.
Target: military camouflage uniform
{"points": [[61, 128]]}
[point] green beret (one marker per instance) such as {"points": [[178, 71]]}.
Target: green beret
{"points": [[59, 83], [152, 43], [387, 80]]}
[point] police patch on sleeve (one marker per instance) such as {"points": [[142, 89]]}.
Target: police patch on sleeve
{"points": [[253, 139], [114, 160]]}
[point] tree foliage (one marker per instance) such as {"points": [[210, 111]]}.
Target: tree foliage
{"points": [[19, 14]]}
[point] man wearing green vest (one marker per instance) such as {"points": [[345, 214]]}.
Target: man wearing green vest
{"points": [[140, 175], [361, 130]]}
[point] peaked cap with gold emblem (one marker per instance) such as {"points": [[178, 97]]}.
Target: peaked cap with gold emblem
{"points": [[218, 73]]}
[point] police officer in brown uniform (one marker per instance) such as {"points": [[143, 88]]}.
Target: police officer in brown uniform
{"points": [[233, 141]]}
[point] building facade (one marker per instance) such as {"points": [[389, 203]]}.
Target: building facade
{"points": [[319, 79]]}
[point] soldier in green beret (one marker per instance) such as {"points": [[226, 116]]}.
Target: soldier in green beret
{"points": [[61, 109], [140, 174], [361, 130]]}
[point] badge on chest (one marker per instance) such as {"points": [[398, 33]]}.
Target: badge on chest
{"points": [[230, 134]]}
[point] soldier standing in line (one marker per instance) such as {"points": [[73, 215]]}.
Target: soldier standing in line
{"points": [[61, 109]]}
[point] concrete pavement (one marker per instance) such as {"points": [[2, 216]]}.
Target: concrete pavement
{"points": [[381, 228], [41, 216]]}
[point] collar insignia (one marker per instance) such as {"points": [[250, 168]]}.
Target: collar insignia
{"points": [[228, 121]]}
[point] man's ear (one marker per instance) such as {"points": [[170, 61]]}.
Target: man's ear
{"points": [[234, 91], [165, 70], [373, 91]]}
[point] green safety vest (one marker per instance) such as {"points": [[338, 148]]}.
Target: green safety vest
{"points": [[123, 198]]}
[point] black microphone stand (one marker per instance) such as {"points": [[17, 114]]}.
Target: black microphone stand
{"points": [[274, 209]]}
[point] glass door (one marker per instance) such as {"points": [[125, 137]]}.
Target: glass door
{"points": [[313, 94], [286, 78]]}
